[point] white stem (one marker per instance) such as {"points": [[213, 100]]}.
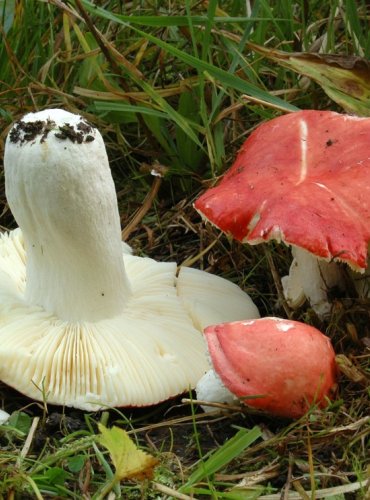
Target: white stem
{"points": [[311, 277], [62, 195]]}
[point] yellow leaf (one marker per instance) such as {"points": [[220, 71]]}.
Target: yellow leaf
{"points": [[128, 460]]}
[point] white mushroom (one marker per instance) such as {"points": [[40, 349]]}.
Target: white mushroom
{"points": [[82, 321], [4, 417]]}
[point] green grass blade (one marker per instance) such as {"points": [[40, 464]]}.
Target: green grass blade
{"points": [[236, 51], [212, 5], [106, 106], [174, 21], [353, 25], [170, 112], [230, 450]]}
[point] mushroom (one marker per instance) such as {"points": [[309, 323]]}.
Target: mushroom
{"points": [[83, 322], [304, 179], [4, 417], [272, 364]]}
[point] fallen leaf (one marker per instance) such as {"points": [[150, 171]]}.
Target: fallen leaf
{"points": [[129, 461], [345, 79]]}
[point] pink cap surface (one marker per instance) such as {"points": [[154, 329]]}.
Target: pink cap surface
{"points": [[290, 364], [303, 178]]}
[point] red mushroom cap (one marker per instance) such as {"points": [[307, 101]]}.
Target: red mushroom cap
{"points": [[289, 364], [303, 178]]}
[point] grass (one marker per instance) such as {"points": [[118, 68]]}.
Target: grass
{"points": [[179, 85]]}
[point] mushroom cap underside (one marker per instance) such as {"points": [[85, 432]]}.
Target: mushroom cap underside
{"points": [[153, 351], [148, 354], [301, 178]]}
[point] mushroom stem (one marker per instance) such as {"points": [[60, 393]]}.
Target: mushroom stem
{"points": [[311, 278], [71, 226]]}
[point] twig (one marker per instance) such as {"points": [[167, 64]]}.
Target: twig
{"points": [[311, 466], [277, 282], [189, 261], [105, 47], [285, 492], [201, 418], [222, 406], [301, 491], [323, 493], [141, 212], [28, 442], [262, 102], [170, 492]]}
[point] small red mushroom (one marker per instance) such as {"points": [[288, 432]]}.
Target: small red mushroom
{"points": [[276, 365], [304, 179]]}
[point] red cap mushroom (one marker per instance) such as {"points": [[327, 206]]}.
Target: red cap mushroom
{"points": [[279, 366], [304, 179]]}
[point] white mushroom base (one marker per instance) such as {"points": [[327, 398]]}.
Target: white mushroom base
{"points": [[211, 389]]}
